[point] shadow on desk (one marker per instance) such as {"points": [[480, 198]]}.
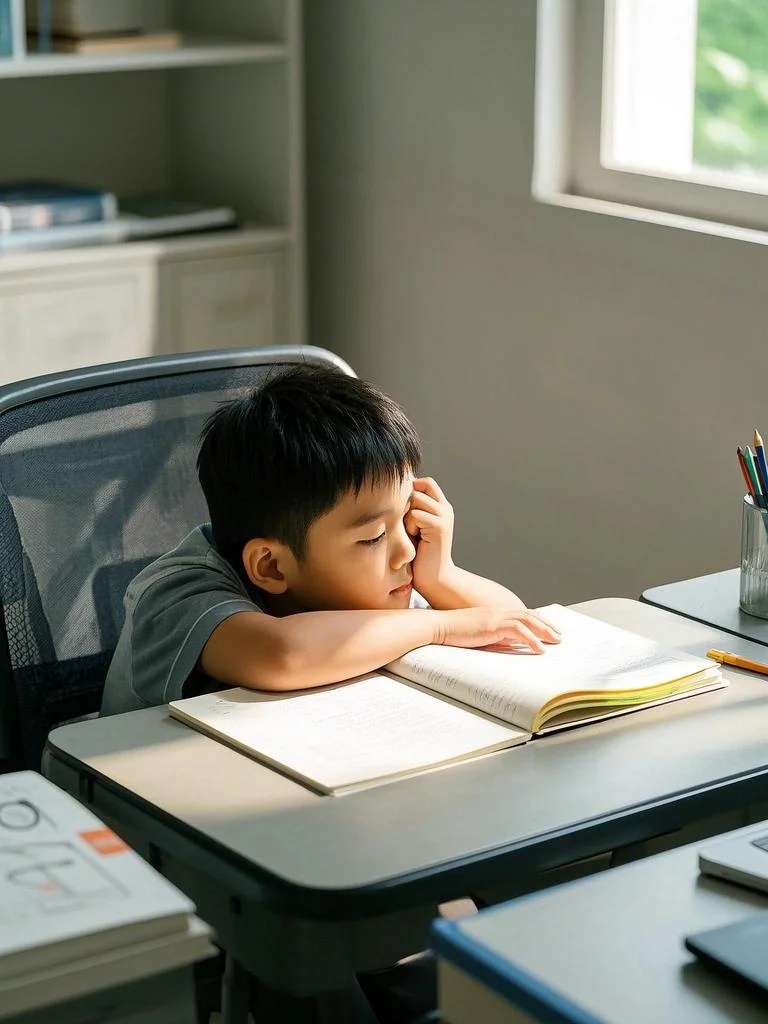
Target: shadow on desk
{"points": [[705, 829], [731, 998]]}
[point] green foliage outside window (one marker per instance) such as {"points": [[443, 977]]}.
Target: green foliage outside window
{"points": [[731, 105]]}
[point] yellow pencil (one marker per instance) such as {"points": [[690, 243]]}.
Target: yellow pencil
{"points": [[736, 661]]}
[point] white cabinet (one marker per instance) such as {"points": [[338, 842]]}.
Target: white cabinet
{"points": [[224, 301], [53, 318], [92, 305], [218, 120]]}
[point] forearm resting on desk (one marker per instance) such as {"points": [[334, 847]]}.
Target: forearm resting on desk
{"points": [[308, 649], [263, 652]]}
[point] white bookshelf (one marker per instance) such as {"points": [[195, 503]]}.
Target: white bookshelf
{"points": [[219, 120], [194, 52]]}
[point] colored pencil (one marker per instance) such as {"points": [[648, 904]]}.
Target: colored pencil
{"points": [[736, 660], [743, 468], [749, 460], [762, 468]]}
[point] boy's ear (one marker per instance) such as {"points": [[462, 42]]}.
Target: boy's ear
{"points": [[266, 563]]}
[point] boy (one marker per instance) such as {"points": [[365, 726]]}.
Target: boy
{"points": [[326, 555]]}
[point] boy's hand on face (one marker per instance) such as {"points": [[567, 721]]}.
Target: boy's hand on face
{"points": [[517, 630], [429, 522]]}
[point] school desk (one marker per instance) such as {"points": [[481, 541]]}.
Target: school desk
{"points": [[605, 948], [303, 889], [712, 599]]}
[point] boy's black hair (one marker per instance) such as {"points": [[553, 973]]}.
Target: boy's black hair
{"points": [[273, 462]]}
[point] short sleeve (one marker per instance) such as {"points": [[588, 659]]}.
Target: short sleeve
{"points": [[172, 622]]}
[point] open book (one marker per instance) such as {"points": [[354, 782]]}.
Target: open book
{"points": [[69, 887], [438, 705]]}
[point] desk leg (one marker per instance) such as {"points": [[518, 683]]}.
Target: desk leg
{"points": [[348, 1006], [270, 1007], [234, 994]]}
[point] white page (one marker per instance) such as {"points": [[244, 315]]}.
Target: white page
{"points": [[592, 656], [346, 734]]}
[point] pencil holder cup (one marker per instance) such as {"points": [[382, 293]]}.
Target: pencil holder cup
{"points": [[753, 582]]}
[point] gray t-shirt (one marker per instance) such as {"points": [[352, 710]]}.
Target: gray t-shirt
{"points": [[171, 608]]}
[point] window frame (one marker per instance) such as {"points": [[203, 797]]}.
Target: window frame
{"points": [[570, 72]]}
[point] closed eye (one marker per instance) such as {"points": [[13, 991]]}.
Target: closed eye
{"points": [[374, 540]]}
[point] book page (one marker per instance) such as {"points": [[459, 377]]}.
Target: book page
{"points": [[593, 658], [343, 735]]}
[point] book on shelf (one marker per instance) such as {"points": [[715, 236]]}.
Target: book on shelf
{"points": [[69, 887], [137, 219], [439, 705], [155, 216], [6, 29], [39, 205], [119, 42], [66, 236], [85, 17]]}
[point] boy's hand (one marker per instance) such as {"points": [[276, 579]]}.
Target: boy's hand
{"points": [[429, 521], [512, 629]]}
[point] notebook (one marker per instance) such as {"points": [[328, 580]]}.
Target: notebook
{"points": [[738, 950], [741, 858]]}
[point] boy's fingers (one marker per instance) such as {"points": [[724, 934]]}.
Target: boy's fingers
{"points": [[420, 499], [518, 633], [411, 526], [423, 519], [542, 626], [428, 485]]}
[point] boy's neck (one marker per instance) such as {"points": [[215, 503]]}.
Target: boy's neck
{"points": [[280, 605]]}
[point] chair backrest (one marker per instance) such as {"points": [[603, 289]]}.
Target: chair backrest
{"points": [[97, 478]]}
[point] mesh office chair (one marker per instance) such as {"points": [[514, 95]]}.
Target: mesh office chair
{"points": [[97, 478]]}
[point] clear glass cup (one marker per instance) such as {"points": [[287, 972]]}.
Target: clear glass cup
{"points": [[753, 582]]}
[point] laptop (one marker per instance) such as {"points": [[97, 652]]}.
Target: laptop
{"points": [[741, 858], [739, 950]]}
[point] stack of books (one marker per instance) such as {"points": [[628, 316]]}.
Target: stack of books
{"points": [[50, 215], [93, 26], [42, 214], [77, 906]]}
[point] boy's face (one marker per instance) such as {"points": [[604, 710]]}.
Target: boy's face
{"points": [[358, 554]]}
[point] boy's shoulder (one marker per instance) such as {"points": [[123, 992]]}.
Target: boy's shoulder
{"points": [[195, 559]]}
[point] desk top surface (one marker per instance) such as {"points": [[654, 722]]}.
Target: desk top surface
{"points": [[562, 796], [611, 945], [712, 599]]}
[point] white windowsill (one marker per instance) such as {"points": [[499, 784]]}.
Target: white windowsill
{"points": [[663, 217]]}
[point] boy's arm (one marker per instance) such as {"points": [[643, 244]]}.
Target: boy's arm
{"points": [[458, 588], [264, 652], [443, 584]]}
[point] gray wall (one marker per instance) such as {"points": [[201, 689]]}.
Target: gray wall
{"points": [[580, 381]]}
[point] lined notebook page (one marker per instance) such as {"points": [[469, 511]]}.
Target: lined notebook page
{"points": [[347, 734]]}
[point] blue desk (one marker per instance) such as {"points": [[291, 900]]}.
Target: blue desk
{"points": [[606, 948], [303, 889], [712, 599]]}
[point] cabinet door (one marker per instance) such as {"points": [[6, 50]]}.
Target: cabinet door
{"points": [[53, 320], [224, 302]]}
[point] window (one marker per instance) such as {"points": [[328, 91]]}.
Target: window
{"points": [[655, 104]]}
